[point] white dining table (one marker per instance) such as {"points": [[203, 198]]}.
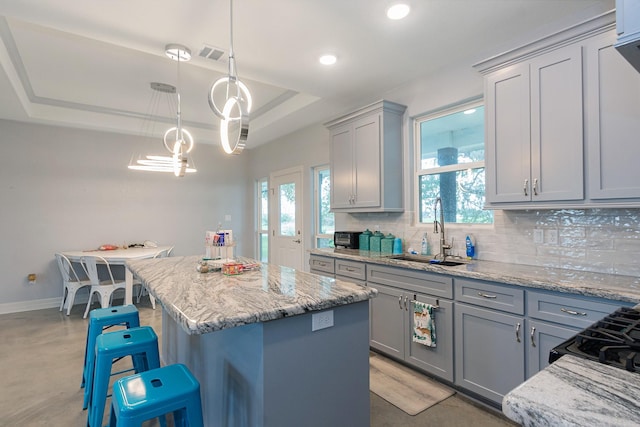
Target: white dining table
{"points": [[120, 257]]}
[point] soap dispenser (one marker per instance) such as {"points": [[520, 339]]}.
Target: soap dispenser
{"points": [[425, 245]]}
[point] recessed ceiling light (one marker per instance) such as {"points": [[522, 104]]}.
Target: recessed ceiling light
{"points": [[398, 11], [328, 59]]}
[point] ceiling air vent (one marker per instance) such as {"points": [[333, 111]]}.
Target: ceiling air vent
{"points": [[210, 52]]}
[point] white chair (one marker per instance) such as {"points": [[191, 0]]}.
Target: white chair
{"points": [[160, 254], [70, 282], [105, 288]]}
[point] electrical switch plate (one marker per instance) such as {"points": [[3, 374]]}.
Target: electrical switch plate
{"points": [[321, 320], [552, 236], [227, 217], [538, 236]]}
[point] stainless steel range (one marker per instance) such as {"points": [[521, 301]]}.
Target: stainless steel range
{"points": [[614, 340]]}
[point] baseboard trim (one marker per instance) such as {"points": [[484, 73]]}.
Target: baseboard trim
{"points": [[16, 307]]}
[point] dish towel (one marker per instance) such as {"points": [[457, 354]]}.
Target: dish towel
{"points": [[424, 326]]}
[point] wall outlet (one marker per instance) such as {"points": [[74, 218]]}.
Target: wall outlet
{"points": [[321, 320], [538, 236], [227, 217], [552, 236]]}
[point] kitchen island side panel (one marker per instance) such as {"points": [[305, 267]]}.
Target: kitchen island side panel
{"points": [[279, 372], [320, 378]]}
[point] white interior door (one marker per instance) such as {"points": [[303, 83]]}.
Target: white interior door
{"points": [[287, 247]]}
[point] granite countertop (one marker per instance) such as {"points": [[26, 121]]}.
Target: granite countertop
{"points": [[615, 287], [576, 392], [207, 302]]}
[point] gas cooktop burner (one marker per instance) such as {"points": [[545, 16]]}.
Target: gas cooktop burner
{"points": [[614, 340]]}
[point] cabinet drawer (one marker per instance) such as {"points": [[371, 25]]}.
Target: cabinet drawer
{"points": [[490, 295], [412, 280], [569, 310], [352, 280], [324, 264], [352, 269]]}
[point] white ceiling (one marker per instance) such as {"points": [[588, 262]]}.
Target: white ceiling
{"points": [[89, 63]]}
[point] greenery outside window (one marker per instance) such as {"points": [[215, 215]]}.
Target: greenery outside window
{"points": [[450, 164], [324, 218], [262, 226]]}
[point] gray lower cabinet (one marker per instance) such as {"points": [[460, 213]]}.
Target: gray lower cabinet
{"points": [[555, 317], [391, 312], [351, 271], [490, 348], [322, 265], [542, 337], [489, 340]]}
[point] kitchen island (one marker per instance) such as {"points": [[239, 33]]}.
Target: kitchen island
{"points": [[576, 392], [270, 347]]}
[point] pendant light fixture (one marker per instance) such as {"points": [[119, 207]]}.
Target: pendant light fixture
{"points": [[177, 140], [231, 102]]}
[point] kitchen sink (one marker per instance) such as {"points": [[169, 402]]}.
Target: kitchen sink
{"points": [[428, 260]]}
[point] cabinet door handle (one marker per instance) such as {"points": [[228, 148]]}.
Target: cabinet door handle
{"points": [[483, 295], [400, 302], [533, 340], [574, 313], [535, 187], [349, 269], [518, 332], [525, 187], [406, 303]]}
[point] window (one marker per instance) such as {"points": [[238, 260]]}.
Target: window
{"points": [[262, 235], [324, 224], [450, 164]]}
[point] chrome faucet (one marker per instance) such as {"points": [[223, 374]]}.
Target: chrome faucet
{"points": [[443, 242]]}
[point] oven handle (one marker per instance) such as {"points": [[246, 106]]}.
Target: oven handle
{"points": [[574, 313]]}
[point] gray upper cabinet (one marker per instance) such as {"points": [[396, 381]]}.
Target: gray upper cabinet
{"points": [[534, 141], [613, 123], [366, 159], [562, 117], [628, 29]]}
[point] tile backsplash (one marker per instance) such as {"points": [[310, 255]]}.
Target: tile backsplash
{"points": [[598, 240]]}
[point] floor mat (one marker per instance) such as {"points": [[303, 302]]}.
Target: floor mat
{"points": [[404, 388]]}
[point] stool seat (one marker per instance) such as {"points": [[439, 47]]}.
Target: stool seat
{"points": [[154, 393], [99, 320], [140, 343]]}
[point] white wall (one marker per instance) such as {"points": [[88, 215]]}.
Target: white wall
{"points": [[600, 240], [67, 189], [307, 148]]}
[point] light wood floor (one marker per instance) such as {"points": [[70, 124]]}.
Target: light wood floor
{"points": [[41, 358]]}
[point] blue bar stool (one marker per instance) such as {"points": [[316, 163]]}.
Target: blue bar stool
{"points": [[154, 393], [139, 343], [99, 320]]}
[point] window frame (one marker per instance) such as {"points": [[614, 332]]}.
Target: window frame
{"points": [[317, 205], [419, 171], [260, 232]]}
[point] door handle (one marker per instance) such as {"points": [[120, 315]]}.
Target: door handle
{"points": [[297, 241], [518, 332], [533, 341]]}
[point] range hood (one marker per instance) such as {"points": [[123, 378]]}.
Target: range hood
{"points": [[628, 28]]}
